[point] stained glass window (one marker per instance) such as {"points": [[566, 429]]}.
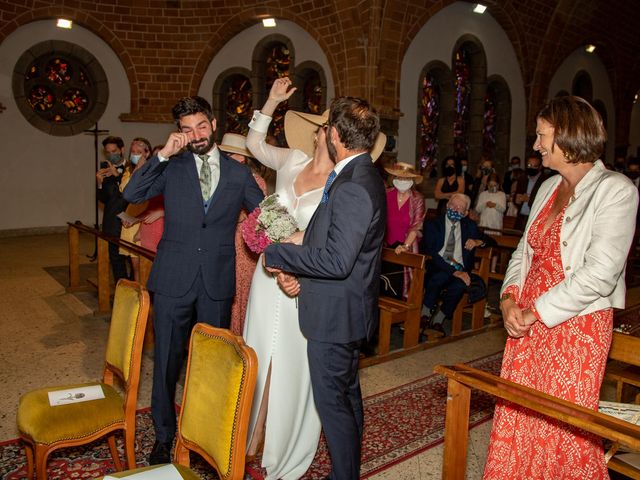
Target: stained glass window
{"points": [[237, 94], [429, 115], [312, 93], [277, 65], [462, 103], [489, 128]]}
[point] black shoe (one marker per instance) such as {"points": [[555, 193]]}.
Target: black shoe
{"points": [[161, 453], [425, 320]]}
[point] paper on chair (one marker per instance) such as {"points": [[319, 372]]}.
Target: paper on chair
{"points": [[165, 472], [75, 395]]}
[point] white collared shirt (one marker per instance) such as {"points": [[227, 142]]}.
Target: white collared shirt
{"points": [[344, 162]]}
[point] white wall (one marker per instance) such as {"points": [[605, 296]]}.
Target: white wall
{"points": [[45, 180], [436, 41], [238, 52], [590, 63]]}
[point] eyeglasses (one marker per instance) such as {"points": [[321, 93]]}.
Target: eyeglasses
{"points": [[325, 125]]}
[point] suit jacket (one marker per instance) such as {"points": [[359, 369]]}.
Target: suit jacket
{"points": [[114, 203], [523, 183], [433, 241], [338, 263], [193, 240], [596, 233]]}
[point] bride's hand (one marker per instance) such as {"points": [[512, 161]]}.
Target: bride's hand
{"points": [[280, 89], [296, 238], [289, 284]]}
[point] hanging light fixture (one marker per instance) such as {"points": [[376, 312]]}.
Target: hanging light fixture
{"points": [[268, 22], [479, 8], [64, 23], [590, 48]]}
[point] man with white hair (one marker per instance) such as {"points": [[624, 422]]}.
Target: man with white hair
{"points": [[450, 240]]}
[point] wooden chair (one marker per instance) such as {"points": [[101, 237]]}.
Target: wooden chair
{"points": [[45, 428], [394, 310], [477, 309], [216, 404], [625, 367]]}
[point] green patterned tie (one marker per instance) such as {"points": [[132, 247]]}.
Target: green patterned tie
{"points": [[205, 177]]}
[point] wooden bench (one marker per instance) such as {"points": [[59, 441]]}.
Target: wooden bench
{"points": [[462, 378], [393, 311], [624, 369], [477, 309]]}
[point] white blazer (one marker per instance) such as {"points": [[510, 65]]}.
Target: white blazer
{"points": [[596, 233]]}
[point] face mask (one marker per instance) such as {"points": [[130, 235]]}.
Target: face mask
{"points": [[135, 159], [402, 185], [448, 171], [454, 215], [633, 175], [486, 171], [493, 189], [114, 158], [532, 172], [512, 167], [464, 169]]}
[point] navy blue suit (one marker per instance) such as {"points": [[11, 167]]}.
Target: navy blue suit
{"points": [[338, 266], [194, 268], [439, 274]]}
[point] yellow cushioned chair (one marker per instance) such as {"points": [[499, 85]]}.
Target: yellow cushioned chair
{"points": [[216, 404], [44, 428]]}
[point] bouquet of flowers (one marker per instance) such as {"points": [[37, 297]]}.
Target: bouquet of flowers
{"points": [[270, 223]]}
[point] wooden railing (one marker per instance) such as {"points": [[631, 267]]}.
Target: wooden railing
{"points": [[103, 283], [463, 378]]}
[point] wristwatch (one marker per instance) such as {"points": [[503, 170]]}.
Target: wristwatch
{"points": [[506, 296]]}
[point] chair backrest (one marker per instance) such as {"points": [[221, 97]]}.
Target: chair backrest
{"points": [[216, 404], [126, 333]]}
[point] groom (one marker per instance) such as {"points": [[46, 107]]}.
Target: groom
{"points": [[338, 265]]}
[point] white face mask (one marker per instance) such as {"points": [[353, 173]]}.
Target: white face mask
{"points": [[402, 185]]}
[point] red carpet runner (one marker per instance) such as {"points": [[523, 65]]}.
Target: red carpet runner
{"points": [[399, 424]]}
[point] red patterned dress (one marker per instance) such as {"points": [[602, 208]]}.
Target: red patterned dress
{"points": [[566, 361]]}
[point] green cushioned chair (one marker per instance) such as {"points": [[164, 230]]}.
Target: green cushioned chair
{"points": [[44, 428], [216, 404]]}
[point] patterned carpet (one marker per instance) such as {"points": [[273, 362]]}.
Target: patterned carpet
{"points": [[399, 424]]}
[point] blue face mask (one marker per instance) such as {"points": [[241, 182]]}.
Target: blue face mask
{"points": [[114, 158], [454, 215], [135, 159]]}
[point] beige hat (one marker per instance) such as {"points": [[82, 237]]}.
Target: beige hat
{"points": [[300, 130], [235, 143], [404, 170]]}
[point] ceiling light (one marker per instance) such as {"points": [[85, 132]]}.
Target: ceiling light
{"points": [[479, 8], [590, 48], [64, 23], [268, 22]]}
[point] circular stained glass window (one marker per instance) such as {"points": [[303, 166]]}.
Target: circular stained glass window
{"points": [[60, 88]]}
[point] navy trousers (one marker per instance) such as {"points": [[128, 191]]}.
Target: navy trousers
{"points": [[452, 289], [336, 392], [174, 318]]}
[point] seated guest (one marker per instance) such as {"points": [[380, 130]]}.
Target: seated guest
{"points": [[527, 188], [450, 240]]}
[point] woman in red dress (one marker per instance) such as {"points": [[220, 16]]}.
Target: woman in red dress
{"points": [[557, 300], [234, 145]]}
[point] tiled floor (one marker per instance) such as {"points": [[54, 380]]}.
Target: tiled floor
{"points": [[50, 337]]}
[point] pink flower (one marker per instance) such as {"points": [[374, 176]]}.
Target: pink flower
{"points": [[254, 234]]}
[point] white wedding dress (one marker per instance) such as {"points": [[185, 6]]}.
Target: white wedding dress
{"points": [[271, 328]]}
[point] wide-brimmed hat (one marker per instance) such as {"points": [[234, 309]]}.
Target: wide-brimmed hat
{"points": [[404, 170], [234, 143], [300, 131]]}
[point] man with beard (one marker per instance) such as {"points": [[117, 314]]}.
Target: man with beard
{"points": [[527, 188], [338, 268], [193, 275]]}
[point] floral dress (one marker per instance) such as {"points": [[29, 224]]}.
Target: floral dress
{"points": [[566, 361]]}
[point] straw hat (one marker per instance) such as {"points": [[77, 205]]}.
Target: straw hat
{"points": [[235, 143], [300, 130], [404, 170]]}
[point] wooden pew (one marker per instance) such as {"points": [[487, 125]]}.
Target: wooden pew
{"points": [[463, 378], [477, 309], [408, 312]]}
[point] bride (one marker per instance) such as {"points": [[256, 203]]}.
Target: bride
{"points": [[284, 416]]}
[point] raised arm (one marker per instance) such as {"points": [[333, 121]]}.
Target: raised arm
{"points": [[268, 155]]}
